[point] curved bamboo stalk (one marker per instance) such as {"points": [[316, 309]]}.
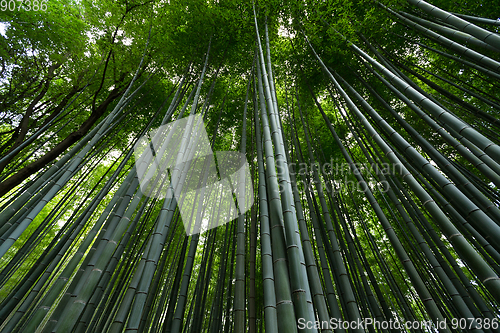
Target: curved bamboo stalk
{"points": [[312, 271], [487, 275], [468, 150], [239, 287], [494, 121], [334, 309], [460, 49], [462, 36], [298, 274], [462, 201], [284, 305], [438, 112], [477, 19], [457, 299], [408, 265], [270, 306], [461, 24]]}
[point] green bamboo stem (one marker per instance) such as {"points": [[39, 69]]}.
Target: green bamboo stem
{"points": [[298, 274], [270, 306], [239, 287], [461, 24], [284, 305], [436, 267], [452, 33], [461, 199]]}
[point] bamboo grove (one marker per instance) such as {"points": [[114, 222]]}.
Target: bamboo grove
{"points": [[372, 133]]}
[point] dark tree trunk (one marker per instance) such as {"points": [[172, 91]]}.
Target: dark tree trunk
{"points": [[30, 169]]}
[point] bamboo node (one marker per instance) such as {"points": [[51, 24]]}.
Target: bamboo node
{"points": [[490, 278], [426, 202]]}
